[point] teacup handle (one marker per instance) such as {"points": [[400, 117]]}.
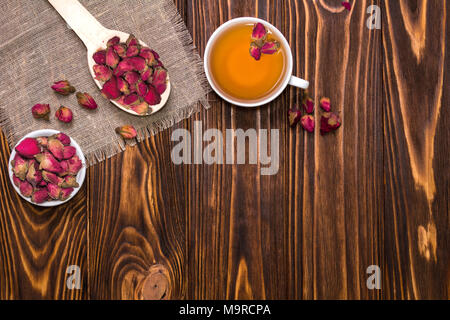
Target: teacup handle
{"points": [[300, 83]]}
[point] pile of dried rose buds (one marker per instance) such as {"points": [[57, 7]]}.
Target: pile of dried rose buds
{"points": [[260, 44], [45, 168], [329, 121], [132, 74]]}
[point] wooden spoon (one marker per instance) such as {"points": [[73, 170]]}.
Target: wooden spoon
{"points": [[94, 37]]}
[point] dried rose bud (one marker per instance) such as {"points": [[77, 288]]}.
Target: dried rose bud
{"points": [[52, 178], [112, 58], [65, 168], [159, 80], [147, 75], [99, 57], [131, 99], [152, 97], [53, 191], [127, 132], [325, 104], [330, 121], [346, 5], [114, 40], [70, 182], [43, 183], [270, 47], [75, 165], [34, 176], [132, 40], [28, 148], [69, 152], [86, 100], [132, 77], [48, 162], [123, 86], [308, 105], [141, 108], [41, 111], [39, 195], [124, 66], [259, 32], [102, 73], [20, 166], [43, 141], [138, 63], [56, 148], [255, 51], [26, 189], [16, 181], [141, 88], [132, 51], [148, 55], [65, 194], [63, 87], [308, 123], [64, 114], [110, 90], [64, 138], [294, 116], [120, 49]]}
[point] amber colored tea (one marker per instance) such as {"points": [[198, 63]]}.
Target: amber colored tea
{"points": [[237, 74]]}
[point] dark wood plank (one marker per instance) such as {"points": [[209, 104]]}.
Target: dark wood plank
{"points": [[37, 245], [416, 132]]}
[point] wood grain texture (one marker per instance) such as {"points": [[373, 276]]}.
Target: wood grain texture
{"points": [[416, 133], [37, 245], [375, 192]]}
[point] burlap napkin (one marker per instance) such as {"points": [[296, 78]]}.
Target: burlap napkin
{"points": [[37, 48]]}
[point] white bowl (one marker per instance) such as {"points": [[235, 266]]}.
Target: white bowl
{"points": [[80, 176]]}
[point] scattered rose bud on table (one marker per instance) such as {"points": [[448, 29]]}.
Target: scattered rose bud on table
{"points": [[308, 105], [346, 5], [294, 116], [64, 114], [45, 168], [41, 111], [63, 87], [330, 121], [308, 123], [325, 104], [86, 100], [127, 131]]}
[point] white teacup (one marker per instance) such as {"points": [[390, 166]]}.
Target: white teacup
{"points": [[288, 78]]}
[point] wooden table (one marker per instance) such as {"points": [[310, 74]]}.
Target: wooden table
{"points": [[375, 192]]}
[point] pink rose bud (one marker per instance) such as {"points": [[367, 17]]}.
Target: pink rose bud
{"points": [[330, 121], [114, 40], [148, 55], [132, 77], [132, 51], [152, 97], [259, 32], [308, 106], [64, 138], [308, 123], [34, 175], [64, 114], [132, 40], [159, 80], [41, 111], [255, 51], [28, 148], [121, 50], [65, 194], [69, 152], [294, 116], [102, 73], [123, 86], [20, 166], [110, 90], [346, 5], [270, 47], [124, 66], [127, 131], [138, 63], [43, 141], [16, 181], [56, 148], [86, 100], [39, 195], [112, 59], [53, 191], [100, 57], [70, 182], [75, 165], [131, 99], [141, 88], [141, 108], [325, 104], [63, 87], [26, 189], [147, 75], [52, 178], [48, 162]]}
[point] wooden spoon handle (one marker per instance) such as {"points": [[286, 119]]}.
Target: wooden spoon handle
{"points": [[88, 29]]}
